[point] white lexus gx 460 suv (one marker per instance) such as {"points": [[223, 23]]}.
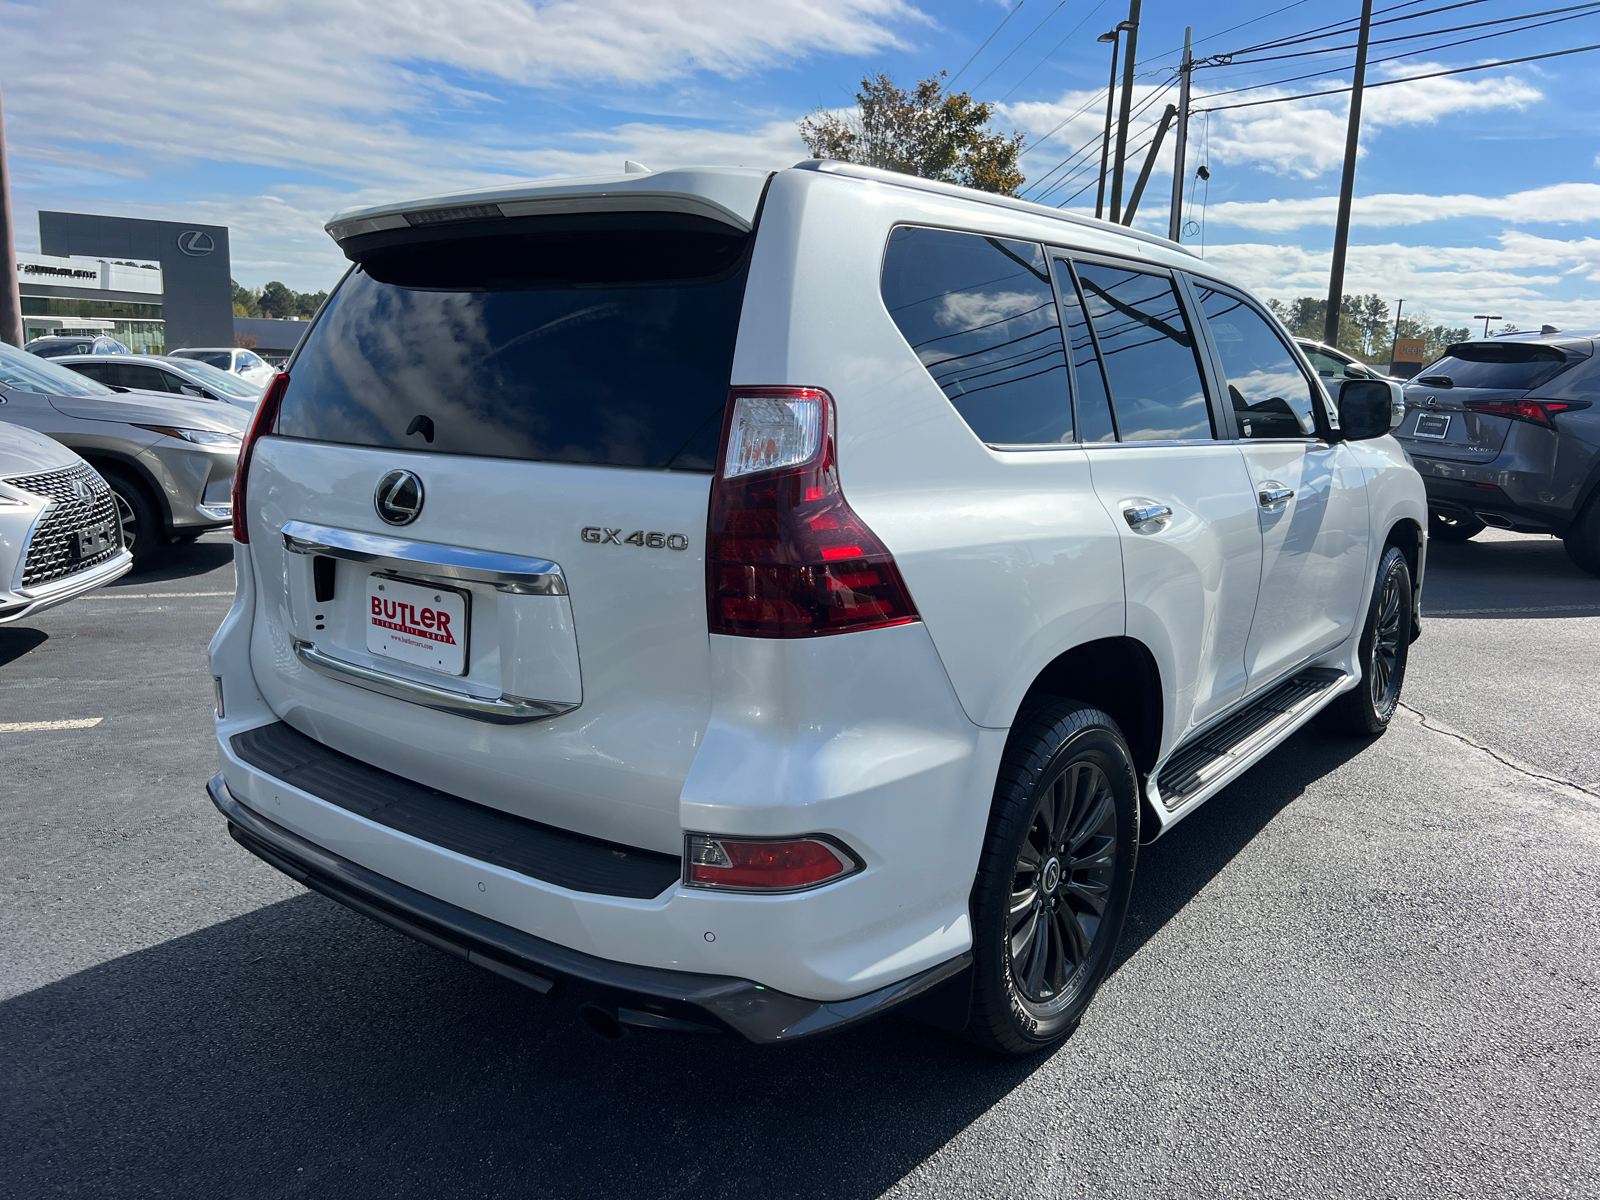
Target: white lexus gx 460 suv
{"points": [[750, 601]]}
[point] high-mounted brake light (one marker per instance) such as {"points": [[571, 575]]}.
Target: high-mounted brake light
{"points": [[768, 866], [266, 420], [786, 556], [1535, 412]]}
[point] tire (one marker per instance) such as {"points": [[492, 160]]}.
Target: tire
{"points": [[1583, 538], [1366, 711], [139, 517], [1453, 527], [1067, 789]]}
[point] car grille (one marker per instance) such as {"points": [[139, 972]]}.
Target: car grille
{"points": [[50, 551]]}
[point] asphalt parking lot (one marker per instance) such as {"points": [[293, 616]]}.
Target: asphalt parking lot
{"points": [[1366, 969]]}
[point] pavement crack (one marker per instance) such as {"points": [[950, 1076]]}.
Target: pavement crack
{"points": [[1516, 765]]}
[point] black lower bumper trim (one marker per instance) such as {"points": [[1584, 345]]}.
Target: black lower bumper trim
{"points": [[651, 997]]}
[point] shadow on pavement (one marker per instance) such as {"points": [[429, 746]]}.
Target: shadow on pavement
{"points": [[19, 640], [1506, 576], [182, 560], [302, 1050]]}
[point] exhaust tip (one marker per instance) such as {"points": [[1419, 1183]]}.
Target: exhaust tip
{"points": [[1497, 520], [601, 1023]]}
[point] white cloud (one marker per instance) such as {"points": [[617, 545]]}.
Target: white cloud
{"points": [[1306, 138], [1562, 203], [377, 99], [1516, 279]]}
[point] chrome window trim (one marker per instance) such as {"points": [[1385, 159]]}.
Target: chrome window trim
{"points": [[506, 710], [504, 572]]}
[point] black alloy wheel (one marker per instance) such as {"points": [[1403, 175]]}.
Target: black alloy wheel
{"points": [[1582, 540], [1061, 882], [1055, 876], [1385, 647], [1453, 526]]}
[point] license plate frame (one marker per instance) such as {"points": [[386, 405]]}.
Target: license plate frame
{"points": [[93, 539], [402, 622], [1433, 426]]}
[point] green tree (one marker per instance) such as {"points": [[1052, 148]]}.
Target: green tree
{"points": [[926, 132], [277, 300], [245, 302]]}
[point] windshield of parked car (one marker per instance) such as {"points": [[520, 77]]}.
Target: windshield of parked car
{"points": [[30, 373], [1513, 366], [222, 359], [222, 381]]}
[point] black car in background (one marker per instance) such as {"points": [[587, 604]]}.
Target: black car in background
{"points": [[1506, 432]]}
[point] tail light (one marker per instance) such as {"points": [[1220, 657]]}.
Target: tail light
{"points": [[765, 866], [786, 557], [266, 420], [1535, 412]]}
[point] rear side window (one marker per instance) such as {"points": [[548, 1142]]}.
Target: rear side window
{"points": [[606, 339], [1149, 354], [1271, 397], [1514, 366], [981, 315]]}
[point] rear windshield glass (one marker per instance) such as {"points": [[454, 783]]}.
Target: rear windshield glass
{"points": [[606, 340], [1507, 365]]}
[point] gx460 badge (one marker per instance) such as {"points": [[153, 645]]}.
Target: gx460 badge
{"points": [[651, 541]]}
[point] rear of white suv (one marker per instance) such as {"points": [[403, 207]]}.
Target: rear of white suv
{"points": [[647, 592]]}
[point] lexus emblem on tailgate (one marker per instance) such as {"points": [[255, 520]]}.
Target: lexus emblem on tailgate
{"points": [[398, 497]]}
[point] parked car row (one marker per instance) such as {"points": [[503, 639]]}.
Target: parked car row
{"points": [[167, 458]]}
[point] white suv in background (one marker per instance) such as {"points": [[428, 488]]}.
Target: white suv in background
{"points": [[245, 363], [752, 601]]}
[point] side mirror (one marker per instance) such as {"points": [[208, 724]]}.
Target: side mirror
{"points": [[188, 389], [1367, 408]]}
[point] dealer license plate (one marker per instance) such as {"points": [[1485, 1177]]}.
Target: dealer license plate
{"points": [[93, 539], [417, 624], [1432, 425]]}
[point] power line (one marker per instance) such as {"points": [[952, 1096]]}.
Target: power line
{"points": [[1144, 104], [1594, 10], [986, 42], [1404, 37], [1509, 62], [1059, 5], [1061, 43]]}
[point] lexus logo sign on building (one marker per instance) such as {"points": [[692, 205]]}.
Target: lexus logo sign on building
{"points": [[196, 242]]}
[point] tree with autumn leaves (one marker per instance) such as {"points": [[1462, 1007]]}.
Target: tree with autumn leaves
{"points": [[926, 132]]}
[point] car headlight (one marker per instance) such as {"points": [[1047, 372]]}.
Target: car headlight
{"points": [[200, 437]]}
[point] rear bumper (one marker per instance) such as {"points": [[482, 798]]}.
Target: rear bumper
{"points": [[644, 997], [1498, 496]]}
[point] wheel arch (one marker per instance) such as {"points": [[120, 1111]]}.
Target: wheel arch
{"points": [[1119, 675], [140, 474], [1408, 537]]}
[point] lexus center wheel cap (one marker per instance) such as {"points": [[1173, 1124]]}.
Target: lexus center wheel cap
{"points": [[398, 497]]}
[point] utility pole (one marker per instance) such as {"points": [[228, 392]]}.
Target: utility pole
{"points": [[1105, 142], [1149, 163], [10, 297], [1394, 342], [1185, 70], [1129, 59], [1347, 184]]}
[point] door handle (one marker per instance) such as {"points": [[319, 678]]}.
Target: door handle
{"points": [[1274, 495], [1140, 515]]}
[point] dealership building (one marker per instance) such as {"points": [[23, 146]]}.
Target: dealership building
{"points": [[154, 285]]}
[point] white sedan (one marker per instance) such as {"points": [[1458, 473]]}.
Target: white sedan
{"points": [[247, 363]]}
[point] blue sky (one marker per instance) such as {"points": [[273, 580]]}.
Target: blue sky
{"points": [[1475, 192]]}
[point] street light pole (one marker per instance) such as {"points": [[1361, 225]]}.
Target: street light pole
{"points": [[1129, 59], [1347, 184], [1185, 70], [1394, 342], [1114, 37], [1485, 318], [10, 297]]}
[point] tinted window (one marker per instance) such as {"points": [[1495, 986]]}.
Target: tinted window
{"points": [[1327, 366], [592, 340], [129, 376], [29, 373], [1149, 355], [1271, 397], [1091, 401], [1519, 366], [95, 371], [221, 359], [981, 315]]}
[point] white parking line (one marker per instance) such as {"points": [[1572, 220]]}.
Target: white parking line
{"points": [[151, 595], [1538, 608], [39, 726]]}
